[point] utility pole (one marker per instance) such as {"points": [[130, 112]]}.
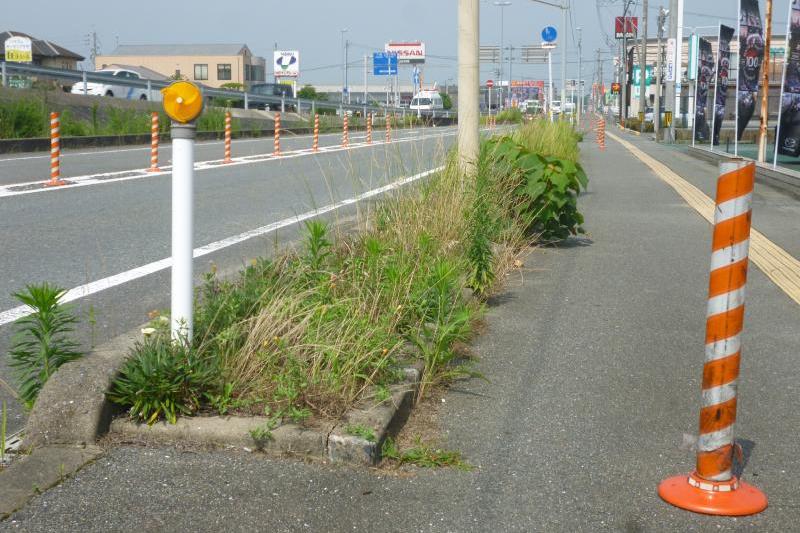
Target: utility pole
{"points": [[762, 137], [510, 77], [673, 92], [502, 5], [643, 69], [344, 64], [92, 43], [468, 86], [579, 107], [623, 102], [366, 62], [564, 9], [662, 18]]}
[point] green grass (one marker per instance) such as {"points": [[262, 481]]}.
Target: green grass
{"points": [[334, 321], [423, 455], [360, 430], [548, 139]]}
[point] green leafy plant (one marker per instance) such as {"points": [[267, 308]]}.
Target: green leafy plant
{"points": [[163, 379], [360, 430], [547, 189], [41, 343], [423, 455], [317, 244], [263, 432]]}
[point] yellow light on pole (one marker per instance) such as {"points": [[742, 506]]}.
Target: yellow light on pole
{"points": [[183, 101]]}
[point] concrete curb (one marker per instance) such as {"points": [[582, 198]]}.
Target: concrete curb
{"points": [[72, 408], [37, 472], [781, 178], [330, 441]]}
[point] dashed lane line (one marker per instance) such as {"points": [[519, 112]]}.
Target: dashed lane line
{"points": [[778, 265]]}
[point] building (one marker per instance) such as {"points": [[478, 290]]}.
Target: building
{"points": [[213, 65], [45, 53]]}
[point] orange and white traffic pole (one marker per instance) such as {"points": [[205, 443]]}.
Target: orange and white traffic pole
{"points": [[315, 142], [277, 144], [388, 128], [154, 143], [712, 488], [601, 133], [55, 151], [227, 138], [345, 134], [369, 128]]}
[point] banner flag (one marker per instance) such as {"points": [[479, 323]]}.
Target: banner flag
{"points": [[705, 72], [723, 73], [751, 53], [789, 136]]}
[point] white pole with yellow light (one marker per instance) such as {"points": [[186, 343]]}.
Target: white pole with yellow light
{"points": [[183, 103]]}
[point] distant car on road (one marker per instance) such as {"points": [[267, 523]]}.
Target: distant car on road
{"points": [[113, 87]]}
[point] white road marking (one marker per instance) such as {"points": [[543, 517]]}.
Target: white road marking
{"points": [[128, 175], [203, 143], [10, 315]]}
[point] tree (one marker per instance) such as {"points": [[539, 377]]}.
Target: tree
{"points": [[446, 101], [309, 92], [232, 86]]}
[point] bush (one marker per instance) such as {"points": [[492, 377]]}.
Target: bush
{"points": [[164, 379], [511, 115], [41, 342], [546, 188], [22, 119]]}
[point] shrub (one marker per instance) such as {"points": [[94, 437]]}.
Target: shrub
{"points": [[547, 190], [41, 343], [511, 115], [164, 379], [24, 118]]}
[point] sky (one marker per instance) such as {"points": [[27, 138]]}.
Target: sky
{"points": [[313, 27]]}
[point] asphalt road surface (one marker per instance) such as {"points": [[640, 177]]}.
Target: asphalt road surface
{"points": [[84, 234], [593, 362]]}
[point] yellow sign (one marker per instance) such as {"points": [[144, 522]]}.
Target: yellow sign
{"points": [[18, 50], [183, 101]]}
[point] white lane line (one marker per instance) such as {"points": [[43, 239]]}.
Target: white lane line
{"points": [[10, 315], [128, 175], [203, 143]]}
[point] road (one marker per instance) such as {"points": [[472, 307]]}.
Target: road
{"points": [[592, 359], [108, 237]]}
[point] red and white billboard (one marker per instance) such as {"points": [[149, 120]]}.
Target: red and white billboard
{"points": [[627, 28], [412, 52]]}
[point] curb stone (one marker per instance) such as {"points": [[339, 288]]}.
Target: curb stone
{"points": [[329, 441]]}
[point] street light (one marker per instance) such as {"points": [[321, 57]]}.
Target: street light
{"points": [[502, 5], [563, 7], [344, 63]]}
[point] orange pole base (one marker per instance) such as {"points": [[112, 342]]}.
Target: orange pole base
{"points": [[740, 501], [55, 183], [153, 169]]}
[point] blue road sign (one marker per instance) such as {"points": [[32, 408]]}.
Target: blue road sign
{"points": [[549, 34], [384, 64]]}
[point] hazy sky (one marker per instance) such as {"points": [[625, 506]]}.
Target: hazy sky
{"points": [[312, 26]]}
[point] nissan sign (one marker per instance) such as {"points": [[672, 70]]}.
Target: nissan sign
{"points": [[413, 52]]}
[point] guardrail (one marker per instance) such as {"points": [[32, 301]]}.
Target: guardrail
{"points": [[78, 76]]}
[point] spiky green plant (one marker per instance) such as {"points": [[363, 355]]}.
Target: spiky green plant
{"points": [[41, 343]]}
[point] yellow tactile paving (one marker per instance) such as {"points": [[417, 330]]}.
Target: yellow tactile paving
{"points": [[779, 266]]}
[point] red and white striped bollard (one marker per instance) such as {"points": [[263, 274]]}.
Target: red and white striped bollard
{"points": [[713, 488], [277, 142], [227, 138], [55, 151], [154, 143]]}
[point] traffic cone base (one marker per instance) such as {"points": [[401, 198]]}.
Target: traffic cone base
{"points": [[722, 498], [55, 183]]}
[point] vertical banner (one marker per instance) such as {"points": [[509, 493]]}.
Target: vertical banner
{"points": [[705, 72], [789, 136], [723, 73], [751, 53]]}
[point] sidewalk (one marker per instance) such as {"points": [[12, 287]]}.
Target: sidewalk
{"points": [[593, 364]]}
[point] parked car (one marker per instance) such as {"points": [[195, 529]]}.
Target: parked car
{"points": [[113, 88]]}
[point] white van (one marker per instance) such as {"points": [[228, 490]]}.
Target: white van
{"points": [[427, 101]]}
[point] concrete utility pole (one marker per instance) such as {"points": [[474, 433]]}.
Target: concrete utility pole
{"points": [[643, 69], [468, 86], [762, 136], [344, 63], [623, 102], [662, 18], [502, 5], [579, 107], [564, 9], [510, 77]]}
